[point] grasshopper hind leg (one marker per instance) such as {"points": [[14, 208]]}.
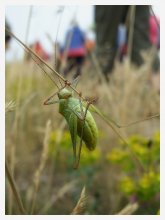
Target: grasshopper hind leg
{"points": [[83, 116]]}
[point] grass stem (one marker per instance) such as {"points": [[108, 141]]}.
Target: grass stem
{"points": [[14, 189]]}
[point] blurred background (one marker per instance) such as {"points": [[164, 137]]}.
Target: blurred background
{"points": [[40, 24], [114, 52]]}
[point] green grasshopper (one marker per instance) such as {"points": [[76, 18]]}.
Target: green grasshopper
{"points": [[79, 120], [77, 111]]}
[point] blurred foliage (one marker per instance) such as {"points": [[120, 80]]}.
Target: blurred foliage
{"points": [[143, 186], [133, 183]]}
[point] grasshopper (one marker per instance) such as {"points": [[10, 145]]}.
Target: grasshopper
{"points": [[79, 120], [77, 111]]}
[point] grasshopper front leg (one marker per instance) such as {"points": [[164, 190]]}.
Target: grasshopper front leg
{"points": [[72, 122]]}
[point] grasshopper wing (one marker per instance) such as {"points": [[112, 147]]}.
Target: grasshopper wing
{"points": [[109, 121]]}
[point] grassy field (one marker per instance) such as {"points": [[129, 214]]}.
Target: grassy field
{"points": [[39, 149]]}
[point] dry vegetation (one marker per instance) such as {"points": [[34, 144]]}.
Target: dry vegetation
{"points": [[38, 145]]}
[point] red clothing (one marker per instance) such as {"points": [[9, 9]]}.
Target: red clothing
{"points": [[75, 52], [40, 51], [154, 31]]}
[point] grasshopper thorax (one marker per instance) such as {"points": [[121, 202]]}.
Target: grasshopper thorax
{"points": [[64, 94]]}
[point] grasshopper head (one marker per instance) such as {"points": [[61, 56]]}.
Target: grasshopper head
{"points": [[64, 94]]}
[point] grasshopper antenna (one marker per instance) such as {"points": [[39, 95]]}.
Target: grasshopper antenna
{"points": [[32, 53], [58, 28]]}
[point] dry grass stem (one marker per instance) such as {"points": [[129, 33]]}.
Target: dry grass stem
{"points": [[10, 106], [42, 163], [14, 189], [81, 204], [101, 77], [129, 209], [14, 137]]}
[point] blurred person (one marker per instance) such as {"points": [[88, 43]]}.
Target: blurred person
{"points": [[7, 36], [90, 47], [154, 31], [154, 36], [74, 49], [122, 41], [108, 18], [39, 50]]}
